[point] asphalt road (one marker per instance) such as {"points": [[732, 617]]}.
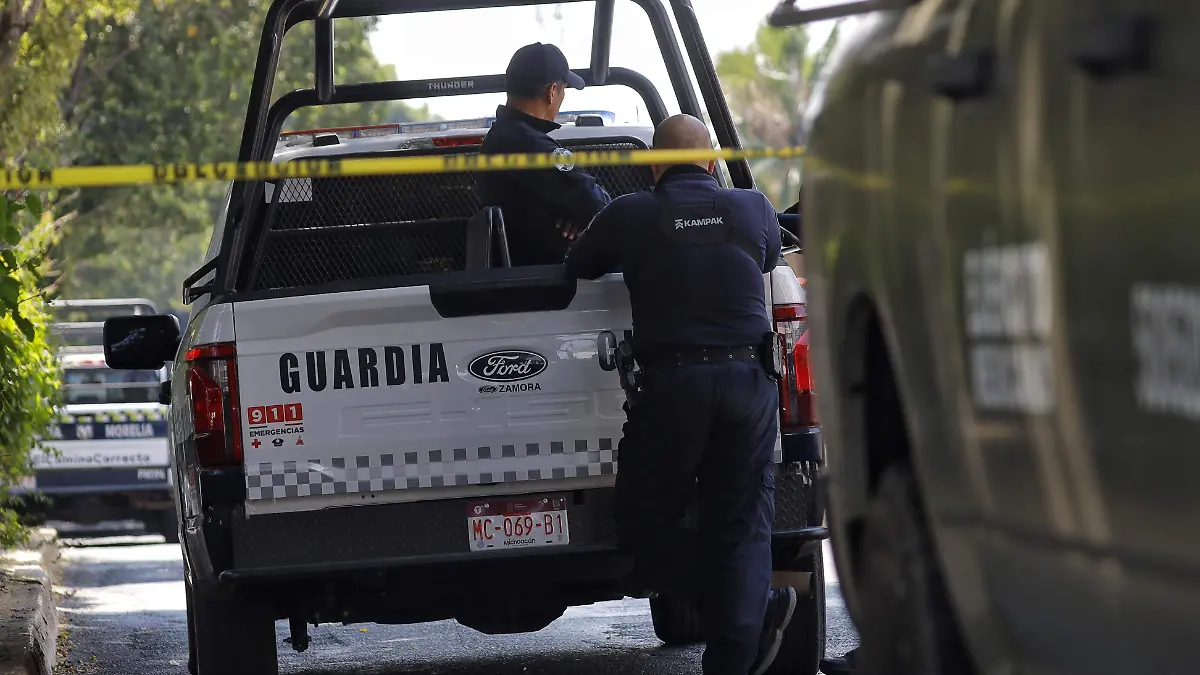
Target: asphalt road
{"points": [[123, 611]]}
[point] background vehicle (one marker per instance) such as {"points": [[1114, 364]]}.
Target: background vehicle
{"points": [[107, 458], [1002, 263], [366, 385]]}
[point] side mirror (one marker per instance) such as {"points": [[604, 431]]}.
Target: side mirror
{"points": [[144, 342]]}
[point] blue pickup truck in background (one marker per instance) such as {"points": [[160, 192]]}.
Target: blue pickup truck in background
{"points": [[107, 458]]}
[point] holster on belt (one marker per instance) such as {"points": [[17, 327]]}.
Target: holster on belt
{"points": [[771, 355], [631, 376]]}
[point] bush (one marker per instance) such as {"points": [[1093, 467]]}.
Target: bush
{"points": [[29, 373]]}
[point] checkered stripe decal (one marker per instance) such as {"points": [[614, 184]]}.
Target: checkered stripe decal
{"points": [[131, 416], [432, 468]]}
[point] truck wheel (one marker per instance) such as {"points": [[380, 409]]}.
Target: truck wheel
{"points": [[676, 622], [233, 636], [167, 525], [907, 624], [803, 644]]}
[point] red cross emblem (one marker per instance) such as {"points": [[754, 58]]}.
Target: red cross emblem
{"points": [[255, 443]]}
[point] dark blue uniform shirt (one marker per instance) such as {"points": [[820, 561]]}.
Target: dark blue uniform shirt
{"points": [[693, 255], [535, 202]]}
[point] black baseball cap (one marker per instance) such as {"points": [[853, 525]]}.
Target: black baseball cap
{"points": [[535, 66]]}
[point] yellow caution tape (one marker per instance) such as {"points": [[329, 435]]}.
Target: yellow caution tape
{"points": [[333, 167]]}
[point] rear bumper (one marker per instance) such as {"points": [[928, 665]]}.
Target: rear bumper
{"points": [[574, 564], [87, 506], [427, 535], [99, 481]]}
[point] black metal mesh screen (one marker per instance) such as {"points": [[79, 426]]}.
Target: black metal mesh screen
{"points": [[619, 180], [370, 200], [322, 256], [343, 229]]}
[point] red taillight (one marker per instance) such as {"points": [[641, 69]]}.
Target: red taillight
{"points": [[797, 405], [455, 141], [216, 414]]}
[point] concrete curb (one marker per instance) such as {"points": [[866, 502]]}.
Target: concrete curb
{"points": [[28, 615]]}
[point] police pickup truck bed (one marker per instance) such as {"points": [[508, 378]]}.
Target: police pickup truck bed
{"points": [[392, 425]]}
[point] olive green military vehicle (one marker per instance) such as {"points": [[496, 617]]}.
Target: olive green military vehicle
{"points": [[1002, 229]]}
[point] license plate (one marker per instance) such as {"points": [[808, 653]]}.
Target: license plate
{"points": [[152, 474], [504, 524]]}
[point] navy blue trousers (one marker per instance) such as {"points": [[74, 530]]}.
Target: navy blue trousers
{"points": [[703, 435]]}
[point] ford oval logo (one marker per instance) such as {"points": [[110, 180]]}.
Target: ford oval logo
{"points": [[507, 366]]}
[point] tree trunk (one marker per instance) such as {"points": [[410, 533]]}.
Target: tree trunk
{"points": [[16, 17]]}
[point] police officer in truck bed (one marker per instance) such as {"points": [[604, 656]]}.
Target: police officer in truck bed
{"points": [[543, 210], [705, 421]]}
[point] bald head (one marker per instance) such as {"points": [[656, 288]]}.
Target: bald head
{"points": [[682, 132]]}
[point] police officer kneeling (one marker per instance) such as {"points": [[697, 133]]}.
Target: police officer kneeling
{"points": [[705, 421]]}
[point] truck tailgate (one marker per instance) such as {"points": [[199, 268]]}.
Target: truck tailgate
{"points": [[371, 396]]}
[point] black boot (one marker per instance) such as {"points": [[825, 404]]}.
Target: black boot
{"points": [[780, 607]]}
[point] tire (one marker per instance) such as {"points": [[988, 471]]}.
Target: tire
{"points": [[167, 524], [191, 623], [907, 624], [233, 635], [676, 622], [803, 644]]}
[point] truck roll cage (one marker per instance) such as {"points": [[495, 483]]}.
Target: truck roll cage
{"points": [[447, 86], [787, 14], [264, 120]]}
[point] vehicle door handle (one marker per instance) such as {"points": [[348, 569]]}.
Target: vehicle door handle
{"points": [[966, 76], [1114, 45]]}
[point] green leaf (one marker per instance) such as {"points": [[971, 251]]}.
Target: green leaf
{"points": [[34, 204], [10, 292], [11, 233], [10, 259], [25, 325]]}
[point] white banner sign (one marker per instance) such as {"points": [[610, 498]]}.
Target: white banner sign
{"points": [[91, 456]]}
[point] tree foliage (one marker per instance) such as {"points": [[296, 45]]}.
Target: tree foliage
{"points": [[28, 369], [39, 44], [40, 41], [768, 85], [171, 82]]}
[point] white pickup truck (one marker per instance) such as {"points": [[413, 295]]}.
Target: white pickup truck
{"points": [[106, 457], [375, 418]]}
